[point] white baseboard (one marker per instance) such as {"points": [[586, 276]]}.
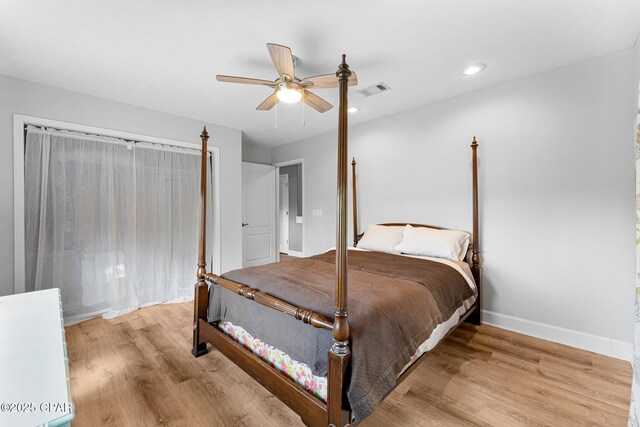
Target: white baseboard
{"points": [[597, 344], [296, 254]]}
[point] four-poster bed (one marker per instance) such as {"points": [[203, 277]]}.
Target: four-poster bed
{"points": [[386, 291]]}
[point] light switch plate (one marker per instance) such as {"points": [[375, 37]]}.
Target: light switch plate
{"points": [[317, 212], [298, 220]]}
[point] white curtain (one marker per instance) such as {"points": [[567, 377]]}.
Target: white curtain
{"points": [[112, 223], [634, 412]]}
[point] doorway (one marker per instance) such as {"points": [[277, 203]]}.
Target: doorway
{"points": [[283, 209], [290, 208]]}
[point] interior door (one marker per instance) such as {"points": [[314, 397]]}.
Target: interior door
{"points": [[258, 214], [283, 209]]}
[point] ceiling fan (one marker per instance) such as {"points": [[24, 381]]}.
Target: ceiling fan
{"points": [[288, 88]]}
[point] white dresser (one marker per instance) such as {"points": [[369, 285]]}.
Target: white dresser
{"points": [[34, 383]]}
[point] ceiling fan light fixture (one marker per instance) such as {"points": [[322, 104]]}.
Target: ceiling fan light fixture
{"points": [[288, 93], [287, 87], [474, 69]]}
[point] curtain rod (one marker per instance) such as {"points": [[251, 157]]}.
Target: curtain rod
{"points": [[111, 140]]}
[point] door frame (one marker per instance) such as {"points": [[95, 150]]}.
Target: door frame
{"points": [[282, 197], [302, 183], [19, 122]]}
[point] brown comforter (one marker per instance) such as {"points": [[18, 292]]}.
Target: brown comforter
{"points": [[394, 304]]}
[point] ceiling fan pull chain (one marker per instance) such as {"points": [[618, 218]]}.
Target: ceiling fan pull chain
{"points": [[304, 122], [275, 117]]}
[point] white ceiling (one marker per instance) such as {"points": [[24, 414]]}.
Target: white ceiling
{"points": [[164, 54]]}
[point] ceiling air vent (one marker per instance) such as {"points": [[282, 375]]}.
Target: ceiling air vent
{"points": [[374, 90]]}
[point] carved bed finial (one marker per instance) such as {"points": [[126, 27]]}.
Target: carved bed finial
{"points": [[204, 134], [343, 70]]}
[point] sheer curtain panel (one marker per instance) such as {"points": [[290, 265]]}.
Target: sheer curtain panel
{"points": [[634, 411], [112, 223]]}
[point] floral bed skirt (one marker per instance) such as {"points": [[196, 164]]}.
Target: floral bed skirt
{"points": [[299, 372]]}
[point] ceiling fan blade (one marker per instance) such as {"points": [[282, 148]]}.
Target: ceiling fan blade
{"points": [[328, 80], [243, 80], [315, 102], [353, 79], [282, 59], [268, 103]]}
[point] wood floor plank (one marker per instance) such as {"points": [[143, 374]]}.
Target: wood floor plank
{"points": [[137, 370], [588, 395]]}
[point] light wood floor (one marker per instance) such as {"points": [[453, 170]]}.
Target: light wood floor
{"points": [[137, 370]]}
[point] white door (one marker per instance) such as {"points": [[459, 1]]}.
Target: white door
{"points": [[284, 213], [258, 214]]}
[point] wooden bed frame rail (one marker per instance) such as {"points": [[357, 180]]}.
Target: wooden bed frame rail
{"points": [[313, 411], [306, 316]]}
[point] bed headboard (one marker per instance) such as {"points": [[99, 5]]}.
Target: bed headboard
{"points": [[474, 246]]}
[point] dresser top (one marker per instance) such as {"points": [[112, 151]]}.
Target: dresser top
{"points": [[32, 356]]}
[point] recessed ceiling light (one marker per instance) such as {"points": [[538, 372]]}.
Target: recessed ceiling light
{"points": [[473, 69], [353, 110]]}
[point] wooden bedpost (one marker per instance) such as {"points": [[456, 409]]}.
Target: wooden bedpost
{"points": [[340, 353], [200, 301], [476, 316], [355, 203]]}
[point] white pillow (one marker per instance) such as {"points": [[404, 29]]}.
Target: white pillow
{"points": [[435, 243], [382, 238]]}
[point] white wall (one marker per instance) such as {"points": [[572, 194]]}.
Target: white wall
{"points": [[19, 96], [637, 59], [256, 154], [556, 193]]}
